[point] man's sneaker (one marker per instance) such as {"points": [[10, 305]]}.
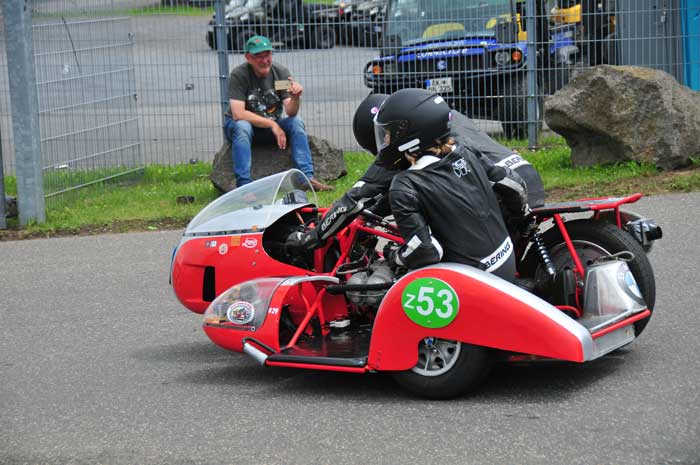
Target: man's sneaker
{"points": [[319, 186]]}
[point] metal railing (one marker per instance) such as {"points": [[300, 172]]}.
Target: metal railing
{"points": [[123, 83]]}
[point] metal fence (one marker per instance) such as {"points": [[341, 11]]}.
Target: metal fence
{"points": [[123, 83]]}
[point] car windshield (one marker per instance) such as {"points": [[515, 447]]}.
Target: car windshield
{"points": [[244, 208], [413, 21]]}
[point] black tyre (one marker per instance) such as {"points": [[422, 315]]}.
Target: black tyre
{"points": [[445, 369], [512, 108], [594, 239]]}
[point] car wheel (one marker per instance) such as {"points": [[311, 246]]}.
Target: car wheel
{"points": [[323, 37], [445, 369]]}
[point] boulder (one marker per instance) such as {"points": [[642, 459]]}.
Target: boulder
{"points": [[10, 206], [328, 162], [610, 114]]}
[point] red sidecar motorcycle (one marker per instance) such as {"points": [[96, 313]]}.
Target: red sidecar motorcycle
{"points": [[585, 288]]}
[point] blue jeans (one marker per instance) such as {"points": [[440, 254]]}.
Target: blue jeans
{"points": [[241, 134]]}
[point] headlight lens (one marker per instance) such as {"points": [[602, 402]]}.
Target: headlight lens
{"points": [[243, 306], [502, 58]]}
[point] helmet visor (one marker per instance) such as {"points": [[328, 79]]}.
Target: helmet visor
{"points": [[388, 133]]}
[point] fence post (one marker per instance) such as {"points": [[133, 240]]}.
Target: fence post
{"points": [[532, 116], [222, 52], [3, 221], [25, 110]]}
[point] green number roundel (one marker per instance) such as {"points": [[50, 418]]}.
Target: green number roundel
{"points": [[430, 302]]}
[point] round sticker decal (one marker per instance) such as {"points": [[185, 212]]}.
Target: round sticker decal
{"points": [[430, 302], [240, 312]]}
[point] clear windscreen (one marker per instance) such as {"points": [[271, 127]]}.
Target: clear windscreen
{"points": [[256, 204], [414, 21]]}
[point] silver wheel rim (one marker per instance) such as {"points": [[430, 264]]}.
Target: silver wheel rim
{"points": [[436, 356]]}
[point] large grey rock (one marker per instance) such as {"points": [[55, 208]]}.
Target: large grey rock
{"points": [[10, 206], [611, 114], [268, 159]]}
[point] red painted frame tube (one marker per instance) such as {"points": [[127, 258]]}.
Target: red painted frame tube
{"points": [[310, 311], [569, 308], [620, 324], [572, 250], [311, 366], [383, 234]]}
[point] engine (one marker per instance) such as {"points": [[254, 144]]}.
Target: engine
{"points": [[378, 273]]}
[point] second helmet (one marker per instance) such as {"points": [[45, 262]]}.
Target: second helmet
{"points": [[409, 121], [363, 121]]}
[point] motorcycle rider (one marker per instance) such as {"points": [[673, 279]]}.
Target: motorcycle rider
{"points": [[444, 203], [520, 177]]}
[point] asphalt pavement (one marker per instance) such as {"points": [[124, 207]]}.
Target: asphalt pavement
{"points": [[99, 364]]}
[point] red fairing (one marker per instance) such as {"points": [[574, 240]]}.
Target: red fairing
{"points": [[233, 259], [491, 313]]}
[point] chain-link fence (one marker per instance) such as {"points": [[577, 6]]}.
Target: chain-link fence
{"points": [[127, 82]]}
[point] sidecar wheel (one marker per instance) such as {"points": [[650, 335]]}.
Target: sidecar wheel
{"points": [[594, 239], [445, 369]]}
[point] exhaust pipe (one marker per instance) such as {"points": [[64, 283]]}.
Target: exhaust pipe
{"points": [[254, 352]]}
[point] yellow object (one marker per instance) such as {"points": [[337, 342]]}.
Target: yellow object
{"points": [[491, 23], [439, 29], [570, 15]]}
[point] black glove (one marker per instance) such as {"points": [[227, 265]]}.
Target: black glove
{"points": [[307, 239]]}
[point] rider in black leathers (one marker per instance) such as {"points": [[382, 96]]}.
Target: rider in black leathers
{"points": [[518, 179], [444, 204]]}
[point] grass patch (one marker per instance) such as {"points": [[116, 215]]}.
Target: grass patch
{"points": [[151, 201]]}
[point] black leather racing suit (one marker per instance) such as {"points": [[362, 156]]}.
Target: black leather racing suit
{"points": [[446, 210], [469, 136], [520, 181]]}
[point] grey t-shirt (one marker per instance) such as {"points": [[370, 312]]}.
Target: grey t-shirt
{"points": [[258, 93]]}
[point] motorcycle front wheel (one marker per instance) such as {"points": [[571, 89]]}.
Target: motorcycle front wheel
{"points": [[594, 239], [445, 369]]}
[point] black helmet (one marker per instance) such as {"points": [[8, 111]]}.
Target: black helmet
{"points": [[363, 121], [409, 120]]}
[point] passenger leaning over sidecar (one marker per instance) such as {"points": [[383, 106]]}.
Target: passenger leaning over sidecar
{"points": [[444, 203]]}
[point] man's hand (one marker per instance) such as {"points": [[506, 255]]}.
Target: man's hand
{"points": [[279, 135], [295, 90]]}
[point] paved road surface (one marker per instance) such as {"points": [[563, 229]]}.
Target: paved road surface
{"points": [[100, 365]]}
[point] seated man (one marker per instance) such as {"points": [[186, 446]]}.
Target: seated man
{"points": [[259, 91]]}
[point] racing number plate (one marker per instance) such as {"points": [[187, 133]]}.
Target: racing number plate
{"points": [[439, 85]]}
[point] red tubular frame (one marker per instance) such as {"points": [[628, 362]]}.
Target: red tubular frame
{"points": [[620, 324], [310, 311], [345, 238], [570, 245], [312, 366]]}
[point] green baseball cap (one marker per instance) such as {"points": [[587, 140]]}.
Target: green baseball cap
{"points": [[257, 44]]}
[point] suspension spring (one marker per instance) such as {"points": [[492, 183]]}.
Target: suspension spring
{"points": [[543, 253]]}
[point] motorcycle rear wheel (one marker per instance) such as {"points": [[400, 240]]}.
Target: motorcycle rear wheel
{"points": [[445, 369], [592, 240]]}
